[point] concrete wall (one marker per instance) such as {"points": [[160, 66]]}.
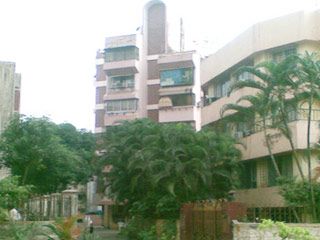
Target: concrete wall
{"points": [[250, 231], [10, 83], [7, 92], [48, 207], [280, 31]]}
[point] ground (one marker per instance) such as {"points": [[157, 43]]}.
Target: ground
{"points": [[108, 234]]}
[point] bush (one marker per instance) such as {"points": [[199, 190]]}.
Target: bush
{"points": [[298, 194], [286, 232], [145, 229], [4, 215]]}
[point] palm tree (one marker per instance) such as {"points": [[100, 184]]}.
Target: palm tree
{"points": [[258, 108], [309, 81], [270, 103]]}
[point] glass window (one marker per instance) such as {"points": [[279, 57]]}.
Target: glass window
{"points": [[285, 167], [120, 54], [279, 56], [182, 100], [245, 76], [128, 105], [221, 89], [176, 77], [120, 82]]}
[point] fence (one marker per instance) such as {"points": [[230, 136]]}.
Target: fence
{"points": [[209, 221], [52, 206]]}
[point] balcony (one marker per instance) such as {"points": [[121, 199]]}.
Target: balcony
{"points": [[211, 111], [177, 114], [121, 68], [260, 197], [112, 119], [279, 142], [118, 95], [176, 60], [121, 41]]}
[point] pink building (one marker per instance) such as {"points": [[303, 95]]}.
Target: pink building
{"points": [[141, 76]]}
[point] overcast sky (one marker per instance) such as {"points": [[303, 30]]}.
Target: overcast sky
{"points": [[54, 42]]}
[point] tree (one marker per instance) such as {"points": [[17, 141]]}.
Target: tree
{"points": [[269, 100], [258, 107], [43, 153], [309, 82], [82, 143], [11, 194], [156, 168], [284, 86]]}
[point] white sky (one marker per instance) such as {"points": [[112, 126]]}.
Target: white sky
{"points": [[54, 42]]}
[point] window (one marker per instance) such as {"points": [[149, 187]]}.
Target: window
{"points": [[262, 173], [248, 175], [182, 100], [221, 89], [284, 163], [121, 82], [244, 76], [243, 129], [117, 106], [176, 77], [120, 54], [279, 56]]}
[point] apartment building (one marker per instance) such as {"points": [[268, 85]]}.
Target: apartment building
{"points": [[9, 97], [141, 75], [270, 40]]}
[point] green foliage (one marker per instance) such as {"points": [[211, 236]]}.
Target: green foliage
{"points": [[156, 168], [149, 234], [298, 193], [286, 232], [63, 229], [4, 215], [138, 227], [46, 155], [169, 230], [11, 194], [20, 231], [145, 229]]}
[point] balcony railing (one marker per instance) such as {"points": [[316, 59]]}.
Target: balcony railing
{"points": [[299, 115]]}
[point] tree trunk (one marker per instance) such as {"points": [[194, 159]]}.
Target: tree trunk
{"points": [[269, 148], [25, 174], [313, 203], [289, 137]]}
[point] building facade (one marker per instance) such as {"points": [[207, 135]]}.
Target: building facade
{"points": [[10, 83], [272, 40], [140, 76]]}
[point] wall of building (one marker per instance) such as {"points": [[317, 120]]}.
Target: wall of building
{"points": [[10, 85], [284, 30], [7, 92]]}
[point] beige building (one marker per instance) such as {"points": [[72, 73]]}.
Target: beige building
{"points": [[140, 76], [270, 40], [9, 97]]}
